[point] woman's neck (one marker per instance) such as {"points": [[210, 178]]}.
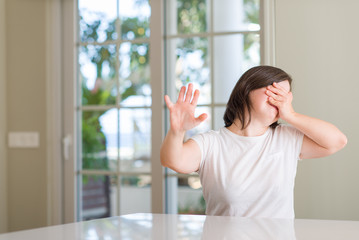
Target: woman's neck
{"points": [[252, 130]]}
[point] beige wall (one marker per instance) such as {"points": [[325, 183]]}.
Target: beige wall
{"points": [[26, 111], [3, 167], [317, 42]]}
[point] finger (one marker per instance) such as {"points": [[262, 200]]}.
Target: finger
{"points": [[273, 95], [168, 101], [280, 87], [195, 98], [201, 118], [273, 101], [275, 89], [181, 94], [189, 93]]}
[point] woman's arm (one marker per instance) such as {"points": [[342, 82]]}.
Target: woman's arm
{"points": [[182, 157], [320, 138]]}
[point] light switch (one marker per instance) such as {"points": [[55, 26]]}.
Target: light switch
{"points": [[24, 139]]}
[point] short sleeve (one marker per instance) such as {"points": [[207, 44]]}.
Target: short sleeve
{"points": [[203, 142], [299, 143], [294, 138]]}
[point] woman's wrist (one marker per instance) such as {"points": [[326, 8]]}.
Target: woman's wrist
{"points": [[177, 133], [290, 117]]}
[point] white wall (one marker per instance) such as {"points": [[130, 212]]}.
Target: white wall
{"points": [[3, 160], [317, 42]]}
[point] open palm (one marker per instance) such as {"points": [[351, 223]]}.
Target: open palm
{"points": [[182, 112]]}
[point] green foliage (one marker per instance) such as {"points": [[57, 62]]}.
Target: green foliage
{"points": [[93, 138], [251, 10], [93, 142], [132, 28], [191, 16], [99, 97], [130, 180], [90, 30]]}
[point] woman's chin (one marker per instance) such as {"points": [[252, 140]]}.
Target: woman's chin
{"points": [[275, 117], [274, 112]]}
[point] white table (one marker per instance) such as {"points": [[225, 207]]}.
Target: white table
{"points": [[165, 226]]}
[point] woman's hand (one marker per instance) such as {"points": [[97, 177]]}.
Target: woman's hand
{"points": [[320, 138], [182, 112], [282, 99]]}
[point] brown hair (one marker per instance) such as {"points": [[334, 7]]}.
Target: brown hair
{"points": [[254, 78]]}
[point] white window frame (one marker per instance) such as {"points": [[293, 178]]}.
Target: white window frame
{"points": [[54, 113], [69, 64], [267, 53], [267, 40], [69, 118], [62, 204]]}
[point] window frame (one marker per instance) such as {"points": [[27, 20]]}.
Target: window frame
{"points": [[70, 96], [267, 57], [156, 41]]}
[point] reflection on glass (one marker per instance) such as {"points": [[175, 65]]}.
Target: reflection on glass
{"points": [[134, 226], [170, 226], [191, 16], [135, 140], [190, 226], [233, 55], [135, 19], [99, 139], [135, 194], [97, 74], [97, 21], [248, 228], [99, 197], [236, 15], [134, 74]]}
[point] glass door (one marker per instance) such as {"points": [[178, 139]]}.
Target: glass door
{"points": [[113, 108], [209, 43]]}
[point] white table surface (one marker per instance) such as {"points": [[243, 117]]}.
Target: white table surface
{"points": [[166, 226]]}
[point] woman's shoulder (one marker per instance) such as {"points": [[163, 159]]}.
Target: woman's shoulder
{"points": [[209, 135], [285, 129]]}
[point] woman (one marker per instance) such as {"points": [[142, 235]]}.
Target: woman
{"points": [[248, 167]]}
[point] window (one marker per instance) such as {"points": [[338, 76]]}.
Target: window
{"points": [[113, 108], [118, 101], [209, 43]]}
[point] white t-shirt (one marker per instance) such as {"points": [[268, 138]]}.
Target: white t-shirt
{"points": [[249, 176]]}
